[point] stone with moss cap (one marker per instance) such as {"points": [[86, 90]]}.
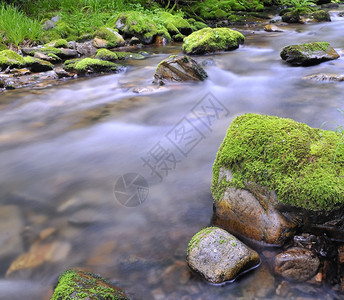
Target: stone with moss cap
{"points": [[9, 58], [272, 174], [133, 23], [90, 65], [79, 285], [37, 65], [179, 68], [105, 54], [211, 40], [308, 54], [219, 256], [59, 43], [113, 39]]}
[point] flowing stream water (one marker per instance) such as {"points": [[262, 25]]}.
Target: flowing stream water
{"points": [[64, 147]]}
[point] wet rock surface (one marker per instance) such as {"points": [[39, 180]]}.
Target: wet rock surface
{"points": [[252, 212], [308, 54], [179, 68], [297, 264], [324, 77], [218, 256]]}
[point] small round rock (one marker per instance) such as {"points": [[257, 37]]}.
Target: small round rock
{"points": [[219, 256], [296, 264]]}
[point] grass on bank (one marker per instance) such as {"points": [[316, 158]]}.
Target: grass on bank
{"points": [[15, 26]]}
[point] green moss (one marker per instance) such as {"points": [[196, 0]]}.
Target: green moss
{"points": [[50, 50], [211, 40], [113, 38], [197, 237], [291, 158], [87, 65], [176, 24], [28, 60], [133, 23], [59, 43], [321, 16], [308, 53], [9, 58], [74, 284], [3, 47], [70, 63], [105, 54]]}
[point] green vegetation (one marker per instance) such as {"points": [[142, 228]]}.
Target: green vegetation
{"points": [[105, 54], [9, 58], [211, 40], [291, 158], [17, 27], [74, 284], [90, 65], [299, 7]]}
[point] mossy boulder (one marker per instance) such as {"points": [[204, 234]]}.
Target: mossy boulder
{"points": [[291, 17], [308, 54], [90, 65], [219, 256], [321, 16], [179, 68], [113, 39], [38, 65], [9, 58], [211, 40], [79, 285], [272, 174], [133, 23], [105, 54]]}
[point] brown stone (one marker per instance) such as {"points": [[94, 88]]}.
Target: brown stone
{"points": [[251, 212], [179, 68], [297, 264], [272, 28]]}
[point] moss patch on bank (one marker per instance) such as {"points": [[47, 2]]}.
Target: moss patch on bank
{"points": [[291, 158]]}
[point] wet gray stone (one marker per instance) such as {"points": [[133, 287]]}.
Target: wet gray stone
{"points": [[219, 256]]}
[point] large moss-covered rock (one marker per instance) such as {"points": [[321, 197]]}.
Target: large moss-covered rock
{"points": [[9, 58], [111, 37], [292, 173], [90, 65], [179, 68], [212, 39], [308, 54], [219, 256], [132, 23], [80, 285]]}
